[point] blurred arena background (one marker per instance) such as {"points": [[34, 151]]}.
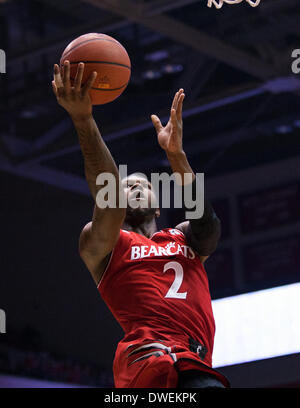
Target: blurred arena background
{"points": [[241, 127]]}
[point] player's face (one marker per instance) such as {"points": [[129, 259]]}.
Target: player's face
{"points": [[139, 192], [142, 202]]}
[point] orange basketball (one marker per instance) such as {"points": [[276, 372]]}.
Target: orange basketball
{"points": [[103, 54]]}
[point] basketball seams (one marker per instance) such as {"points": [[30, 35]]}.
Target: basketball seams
{"points": [[87, 41], [104, 89], [101, 62]]}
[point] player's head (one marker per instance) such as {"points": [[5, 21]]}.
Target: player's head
{"points": [[141, 198]]}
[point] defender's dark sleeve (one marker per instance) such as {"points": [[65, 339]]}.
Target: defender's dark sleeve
{"points": [[203, 233]]}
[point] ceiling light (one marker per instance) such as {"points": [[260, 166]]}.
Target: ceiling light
{"points": [[151, 74], [157, 55], [172, 68], [283, 129]]}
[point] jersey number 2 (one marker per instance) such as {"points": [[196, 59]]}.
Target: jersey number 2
{"points": [[173, 291]]}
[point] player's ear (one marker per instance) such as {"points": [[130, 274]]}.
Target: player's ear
{"points": [[157, 212]]}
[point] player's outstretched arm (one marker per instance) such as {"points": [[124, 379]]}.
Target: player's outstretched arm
{"points": [[202, 234], [99, 236]]}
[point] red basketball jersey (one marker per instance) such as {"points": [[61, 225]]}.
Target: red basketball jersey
{"points": [[158, 291]]}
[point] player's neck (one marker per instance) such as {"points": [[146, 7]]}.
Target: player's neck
{"points": [[147, 228]]}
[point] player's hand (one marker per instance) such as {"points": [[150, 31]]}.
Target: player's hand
{"points": [[170, 136], [75, 99]]}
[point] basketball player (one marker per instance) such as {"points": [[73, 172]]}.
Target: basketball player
{"points": [[154, 282]]}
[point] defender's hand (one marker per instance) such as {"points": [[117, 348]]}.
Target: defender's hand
{"points": [[170, 136], [75, 99]]}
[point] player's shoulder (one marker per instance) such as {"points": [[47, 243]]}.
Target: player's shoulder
{"points": [[164, 232], [126, 235], [125, 231], [169, 232], [176, 231], [130, 236]]}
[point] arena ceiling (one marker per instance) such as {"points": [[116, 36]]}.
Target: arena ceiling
{"points": [[242, 99]]}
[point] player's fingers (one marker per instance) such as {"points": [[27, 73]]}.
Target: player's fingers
{"points": [[78, 78], [156, 122], [174, 101], [89, 83], [54, 88], [179, 93], [173, 117], [66, 76], [179, 107], [59, 86], [57, 77]]}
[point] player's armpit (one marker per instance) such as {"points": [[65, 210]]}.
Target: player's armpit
{"points": [[99, 237]]}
